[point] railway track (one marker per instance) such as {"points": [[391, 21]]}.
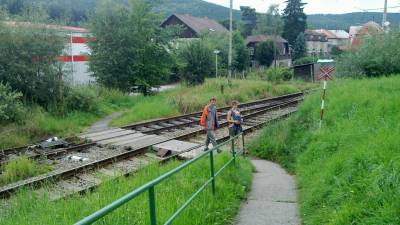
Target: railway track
{"points": [[84, 176]]}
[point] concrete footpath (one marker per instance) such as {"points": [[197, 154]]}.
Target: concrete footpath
{"points": [[273, 197], [103, 123]]}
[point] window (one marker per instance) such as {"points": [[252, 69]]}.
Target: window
{"points": [[251, 51]]}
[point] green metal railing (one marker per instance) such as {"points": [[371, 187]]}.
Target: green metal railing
{"points": [[151, 191]]}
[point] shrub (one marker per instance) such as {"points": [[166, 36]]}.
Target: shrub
{"points": [[304, 60], [11, 108], [28, 61], [82, 99], [273, 74], [265, 53], [378, 55], [198, 60]]}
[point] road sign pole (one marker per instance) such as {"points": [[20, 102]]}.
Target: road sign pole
{"points": [[323, 103]]}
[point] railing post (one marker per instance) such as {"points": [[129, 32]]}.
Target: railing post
{"points": [[244, 151], [212, 172], [152, 201], [233, 149]]}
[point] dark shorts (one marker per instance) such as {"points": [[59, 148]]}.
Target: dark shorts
{"points": [[235, 130]]}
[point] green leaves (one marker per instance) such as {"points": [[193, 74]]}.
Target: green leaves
{"points": [[198, 58], [300, 46], [378, 55], [130, 49], [28, 61], [295, 20], [265, 53], [11, 108]]}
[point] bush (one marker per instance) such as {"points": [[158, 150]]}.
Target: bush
{"points": [[28, 61], [82, 99], [198, 60], [265, 53], [378, 55], [11, 108], [273, 74], [304, 60]]}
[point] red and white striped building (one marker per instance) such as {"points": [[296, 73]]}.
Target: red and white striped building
{"points": [[76, 54]]}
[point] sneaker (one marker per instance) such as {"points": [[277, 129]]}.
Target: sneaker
{"points": [[206, 149], [219, 150]]}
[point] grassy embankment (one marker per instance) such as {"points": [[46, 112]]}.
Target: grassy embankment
{"points": [[40, 124], [349, 171], [232, 187]]}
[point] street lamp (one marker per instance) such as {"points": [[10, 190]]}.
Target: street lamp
{"points": [[216, 52]]}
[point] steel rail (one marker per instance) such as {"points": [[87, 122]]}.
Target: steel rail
{"points": [[35, 182]]}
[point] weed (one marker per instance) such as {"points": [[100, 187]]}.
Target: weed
{"points": [[21, 168]]}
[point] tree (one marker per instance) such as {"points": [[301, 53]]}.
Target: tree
{"points": [[28, 61], [265, 53], [249, 18], [295, 20], [131, 49], [198, 62], [270, 22], [300, 47], [241, 59]]}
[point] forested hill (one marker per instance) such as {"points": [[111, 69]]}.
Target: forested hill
{"points": [[76, 11], [196, 8], [344, 21]]}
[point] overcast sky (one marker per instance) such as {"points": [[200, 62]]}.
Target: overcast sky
{"points": [[319, 6]]}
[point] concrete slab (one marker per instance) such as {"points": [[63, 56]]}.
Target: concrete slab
{"points": [[273, 198], [174, 147], [111, 135], [92, 134], [129, 137]]}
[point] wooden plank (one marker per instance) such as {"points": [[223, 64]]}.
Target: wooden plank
{"points": [[130, 137], [112, 135], [175, 146], [146, 141], [93, 134]]}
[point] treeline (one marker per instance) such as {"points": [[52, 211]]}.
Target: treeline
{"points": [[131, 49]]}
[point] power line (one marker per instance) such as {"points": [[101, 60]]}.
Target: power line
{"points": [[366, 10]]}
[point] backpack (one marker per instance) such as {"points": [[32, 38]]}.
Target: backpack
{"points": [[203, 119]]}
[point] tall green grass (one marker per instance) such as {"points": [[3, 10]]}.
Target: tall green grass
{"points": [[21, 168], [349, 171], [186, 99], [232, 185]]}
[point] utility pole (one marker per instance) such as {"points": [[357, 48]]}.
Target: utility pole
{"points": [[384, 19], [230, 41]]}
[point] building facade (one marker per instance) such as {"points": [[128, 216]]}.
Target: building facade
{"points": [[76, 53], [316, 43], [336, 38], [193, 27], [283, 56]]}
